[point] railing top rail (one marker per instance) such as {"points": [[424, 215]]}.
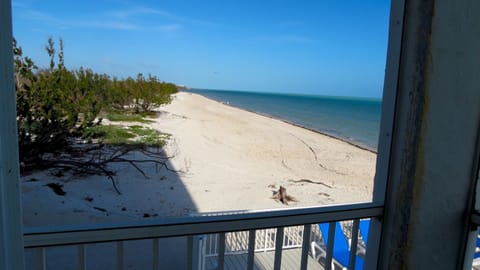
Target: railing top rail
{"points": [[173, 227]]}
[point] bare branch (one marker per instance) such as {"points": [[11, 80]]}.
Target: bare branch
{"points": [[94, 159]]}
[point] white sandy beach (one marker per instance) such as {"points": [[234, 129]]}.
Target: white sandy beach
{"points": [[226, 158]]}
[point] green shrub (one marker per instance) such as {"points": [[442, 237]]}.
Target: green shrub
{"points": [[127, 117], [56, 104], [109, 134], [133, 135]]}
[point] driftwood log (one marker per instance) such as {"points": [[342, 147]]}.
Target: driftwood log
{"points": [[282, 196]]}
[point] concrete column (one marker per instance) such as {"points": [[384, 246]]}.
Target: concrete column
{"points": [[435, 143], [11, 236]]}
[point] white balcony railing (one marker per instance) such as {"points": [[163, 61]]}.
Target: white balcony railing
{"points": [[41, 239], [237, 242]]}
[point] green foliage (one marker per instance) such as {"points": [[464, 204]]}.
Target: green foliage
{"points": [[119, 94], [109, 134], [150, 92], [127, 117], [90, 95], [148, 136], [140, 95], [54, 104], [57, 104], [133, 135]]}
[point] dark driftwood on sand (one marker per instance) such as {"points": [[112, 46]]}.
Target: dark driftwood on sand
{"points": [[282, 196]]}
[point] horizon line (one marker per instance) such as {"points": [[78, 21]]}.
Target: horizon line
{"points": [[288, 93]]}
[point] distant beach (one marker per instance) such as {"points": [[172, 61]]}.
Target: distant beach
{"points": [[354, 120]]}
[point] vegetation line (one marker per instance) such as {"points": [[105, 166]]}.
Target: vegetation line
{"points": [[59, 108]]}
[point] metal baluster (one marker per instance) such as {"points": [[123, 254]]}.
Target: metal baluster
{"points": [[41, 263], [120, 255], [278, 248], [305, 246], [265, 246], [209, 244], [155, 251], [221, 251], [214, 241], [82, 260], [202, 251], [331, 237], [353, 246], [251, 249], [190, 252]]}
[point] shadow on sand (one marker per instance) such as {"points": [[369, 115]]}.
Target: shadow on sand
{"points": [[93, 200]]}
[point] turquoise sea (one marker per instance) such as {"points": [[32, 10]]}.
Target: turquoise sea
{"points": [[356, 120]]}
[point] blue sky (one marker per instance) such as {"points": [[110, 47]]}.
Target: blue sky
{"points": [[334, 47]]}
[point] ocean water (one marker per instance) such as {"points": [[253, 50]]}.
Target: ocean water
{"points": [[356, 120]]}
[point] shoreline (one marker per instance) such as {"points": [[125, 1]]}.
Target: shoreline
{"points": [[345, 140], [222, 158]]}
